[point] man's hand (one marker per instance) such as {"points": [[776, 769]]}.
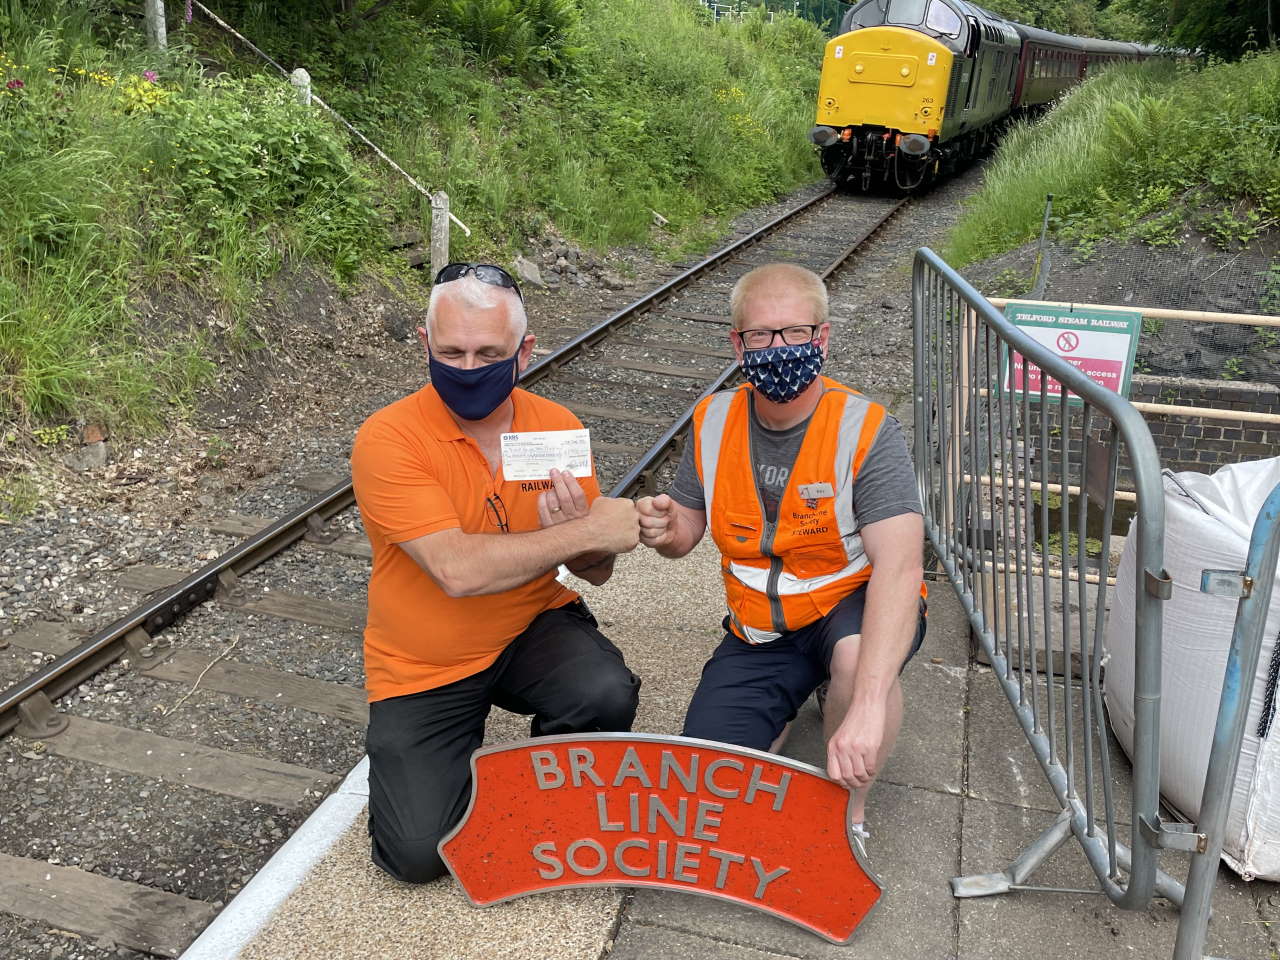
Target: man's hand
{"points": [[853, 749], [614, 525], [566, 500], [656, 527]]}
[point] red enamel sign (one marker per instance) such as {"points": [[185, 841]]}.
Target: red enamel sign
{"points": [[669, 812]]}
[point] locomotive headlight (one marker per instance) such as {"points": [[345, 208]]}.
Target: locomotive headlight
{"points": [[914, 145], [825, 136]]}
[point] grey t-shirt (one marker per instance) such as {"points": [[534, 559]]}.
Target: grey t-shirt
{"points": [[885, 486]]}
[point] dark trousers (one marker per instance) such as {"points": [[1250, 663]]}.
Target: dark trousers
{"points": [[561, 670], [749, 692]]}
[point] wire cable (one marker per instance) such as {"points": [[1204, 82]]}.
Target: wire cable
{"points": [[332, 112]]}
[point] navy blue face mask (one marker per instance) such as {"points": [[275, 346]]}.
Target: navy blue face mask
{"points": [[474, 394], [781, 373]]}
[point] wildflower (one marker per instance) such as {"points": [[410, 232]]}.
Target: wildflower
{"points": [[150, 76], [14, 84]]}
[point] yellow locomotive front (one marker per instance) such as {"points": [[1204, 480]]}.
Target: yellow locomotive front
{"points": [[911, 87], [881, 103]]}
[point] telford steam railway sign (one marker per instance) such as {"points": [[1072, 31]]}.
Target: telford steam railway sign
{"points": [[1101, 344], [669, 812]]}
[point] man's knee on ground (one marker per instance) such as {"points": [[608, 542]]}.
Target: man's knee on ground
{"points": [[413, 861], [613, 698], [604, 701]]}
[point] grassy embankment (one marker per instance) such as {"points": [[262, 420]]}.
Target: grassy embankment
{"points": [[124, 174], [1139, 153]]}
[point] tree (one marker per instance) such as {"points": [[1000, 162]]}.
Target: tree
{"points": [[1220, 27], [1075, 17]]}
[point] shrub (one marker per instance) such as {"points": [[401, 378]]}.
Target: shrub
{"points": [[631, 118], [249, 149], [523, 34], [1138, 141], [121, 171]]}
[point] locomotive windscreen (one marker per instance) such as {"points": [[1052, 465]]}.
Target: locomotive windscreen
{"points": [[936, 16]]}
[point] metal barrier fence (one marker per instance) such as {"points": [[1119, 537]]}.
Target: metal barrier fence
{"points": [[1010, 515]]}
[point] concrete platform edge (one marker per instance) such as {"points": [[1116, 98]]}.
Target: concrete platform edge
{"points": [[242, 919]]}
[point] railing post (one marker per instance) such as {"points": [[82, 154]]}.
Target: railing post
{"points": [[301, 81], [1040, 276], [155, 24], [439, 231], [1255, 584]]}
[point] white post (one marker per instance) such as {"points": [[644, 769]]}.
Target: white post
{"points": [[439, 232], [301, 80], [155, 24]]}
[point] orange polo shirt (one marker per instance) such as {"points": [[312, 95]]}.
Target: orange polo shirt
{"points": [[416, 473]]}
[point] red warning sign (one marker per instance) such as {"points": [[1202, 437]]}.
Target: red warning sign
{"points": [[669, 812]]}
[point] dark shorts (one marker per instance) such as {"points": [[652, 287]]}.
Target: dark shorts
{"points": [[561, 669], [749, 692]]}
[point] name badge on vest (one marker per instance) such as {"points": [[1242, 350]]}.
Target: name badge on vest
{"points": [[816, 491]]}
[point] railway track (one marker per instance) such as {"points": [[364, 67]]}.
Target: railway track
{"points": [[270, 742]]}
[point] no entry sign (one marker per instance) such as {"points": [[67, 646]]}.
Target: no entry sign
{"points": [[670, 812], [1101, 344]]}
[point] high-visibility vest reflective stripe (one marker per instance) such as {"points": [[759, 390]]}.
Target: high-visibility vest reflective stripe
{"points": [[785, 574]]}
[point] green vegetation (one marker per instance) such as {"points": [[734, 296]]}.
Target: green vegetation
{"points": [[1084, 18], [124, 174], [1011, 283], [121, 174], [1223, 28], [609, 111], [1092, 545], [1269, 302], [1136, 152]]}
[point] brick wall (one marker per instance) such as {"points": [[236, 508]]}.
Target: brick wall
{"points": [[1201, 444], [1197, 444]]}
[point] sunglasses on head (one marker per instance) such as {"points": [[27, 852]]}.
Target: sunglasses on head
{"points": [[484, 272]]}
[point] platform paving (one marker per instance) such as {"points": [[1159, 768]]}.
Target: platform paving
{"points": [[962, 794]]}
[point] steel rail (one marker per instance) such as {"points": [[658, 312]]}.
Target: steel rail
{"points": [[154, 615], [638, 308]]}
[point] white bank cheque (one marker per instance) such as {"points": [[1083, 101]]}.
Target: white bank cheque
{"points": [[532, 454]]}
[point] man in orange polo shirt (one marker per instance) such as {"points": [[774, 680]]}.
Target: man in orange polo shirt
{"points": [[465, 611]]}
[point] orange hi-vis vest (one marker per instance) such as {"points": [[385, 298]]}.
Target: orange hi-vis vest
{"points": [[785, 575]]}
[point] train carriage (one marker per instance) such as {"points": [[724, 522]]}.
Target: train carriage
{"points": [[1049, 64]]}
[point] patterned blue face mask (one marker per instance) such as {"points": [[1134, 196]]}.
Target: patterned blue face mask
{"points": [[781, 373]]}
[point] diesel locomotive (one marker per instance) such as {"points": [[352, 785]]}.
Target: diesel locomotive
{"points": [[914, 88]]}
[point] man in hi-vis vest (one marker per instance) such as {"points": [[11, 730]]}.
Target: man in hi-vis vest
{"points": [[811, 498]]}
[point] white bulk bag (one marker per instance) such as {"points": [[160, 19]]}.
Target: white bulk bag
{"points": [[1208, 522]]}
